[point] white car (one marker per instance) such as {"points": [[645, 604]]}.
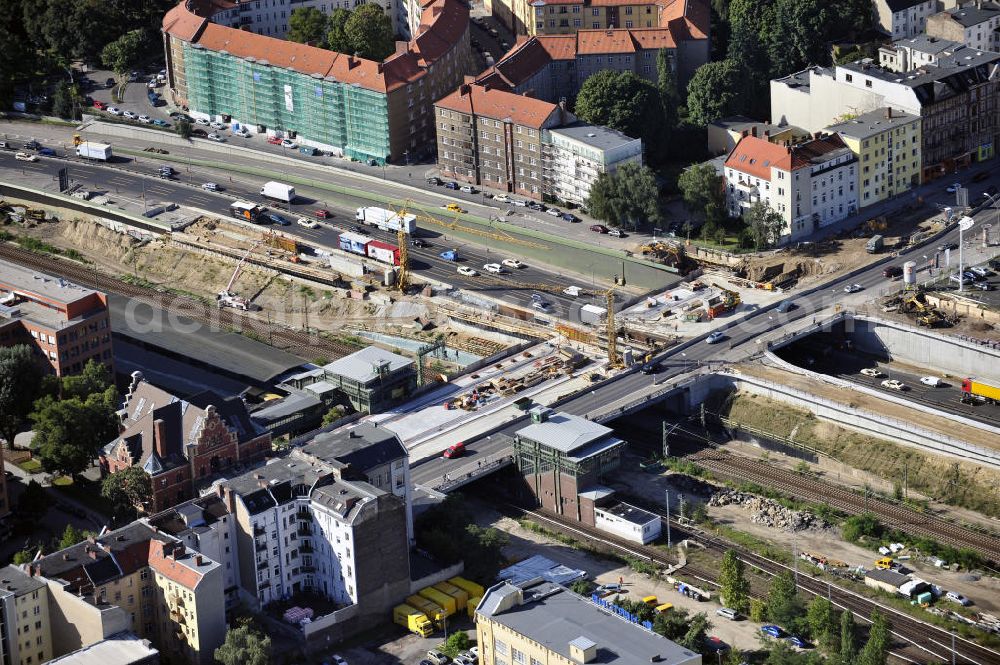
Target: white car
{"points": [[25, 157], [467, 271], [572, 291], [853, 288], [981, 271], [308, 223], [211, 187], [503, 198], [931, 381], [555, 212], [872, 372], [201, 121], [520, 203], [218, 125], [218, 138], [241, 132], [114, 110], [131, 115], [512, 263], [152, 84], [715, 337], [289, 143], [145, 119], [494, 268], [893, 384], [468, 189]]}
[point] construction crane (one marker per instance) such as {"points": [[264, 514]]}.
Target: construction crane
{"points": [[403, 278], [226, 297]]}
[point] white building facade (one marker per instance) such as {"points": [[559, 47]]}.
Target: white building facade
{"points": [[270, 17], [574, 156], [903, 18]]}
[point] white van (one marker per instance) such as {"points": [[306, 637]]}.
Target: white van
{"points": [[728, 613]]}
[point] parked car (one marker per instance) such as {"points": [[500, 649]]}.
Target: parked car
{"points": [[307, 223], [110, 82], [114, 110], [555, 212], [853, 288], [520, 203], [891, 272], [716, 645], [570, 217], [451, 185], [434, 180], [650, 368], [290, 144], [437, 657], [772, 631], [598, 228], [131, 115], [981, 271], [454, 450], [608, 589], [728, 613], [242, 132], [205, 122], [797, 642], [964, 279], [25, 157], [715, 337], [893, 384], [468, 189], [218, 138], [218, 125], [211, 187], [502, 198], [540, 305], [512, 263], [617, 233], [955, 597], [274, 140], [536, 206], [946, 246], [418, 242], [99, 105], [46, 152], [467, 271], [983, 286], [872, 372], [145, 119], [160, 123]]}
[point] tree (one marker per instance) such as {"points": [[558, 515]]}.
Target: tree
{"points": [[128, 489], [875, 650], [626, 102], [95, 378], [628, 197], [336, 37], [456, 643], [369, 33], [183, 128], [20, 383], [822, 620], [864, 525], [335, 413], [764, 224], [121, 54], [734, 586], [69, 432], [70, 537], [783, 604], [847, 645], [65, 100], [666, 82], [34, 502], [307, 25], [716, 91], [758, 610], [702, 189], [582, 587], [673, 625], [244, 646], [27, 555], [698, 628]]}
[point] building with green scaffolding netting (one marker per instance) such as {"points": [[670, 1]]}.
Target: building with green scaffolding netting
{"points": [[343, 104]]}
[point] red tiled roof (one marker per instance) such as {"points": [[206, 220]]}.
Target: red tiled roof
{"points": [[498, 104], [590, 42], [161, 561], [756, 156], [654, 38]]}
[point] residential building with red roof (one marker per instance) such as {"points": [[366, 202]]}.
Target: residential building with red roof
{"points": [[340, 103], [811, 184]]}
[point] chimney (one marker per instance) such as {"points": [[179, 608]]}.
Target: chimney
{"points": [[464, 89], [563, 111], [160, 438], [197, 559], [767, 134], [230, 498], [753, 130], [888, 113], [92, 554], [380, 65], [745, 133]]}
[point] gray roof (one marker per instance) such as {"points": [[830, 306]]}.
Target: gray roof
{"points": [[362, 366], [119, 649], [295, 402], [871, 123], [971, 15], [565, 432], [363, 447], [631, 514], [887, 576], [19, 278], [601, 138], [959, 66], [555, 617], [18, 582], [900, 5], [927, 44]]}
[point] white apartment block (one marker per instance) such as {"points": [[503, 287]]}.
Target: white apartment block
{"points": [[905, 55], [25, 629], [575, 155], [903, 18], [270, 17]]}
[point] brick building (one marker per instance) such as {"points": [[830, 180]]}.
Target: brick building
{"points": [[182, 444], [66, 324]]}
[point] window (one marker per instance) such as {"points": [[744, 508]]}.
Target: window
{"points": [[515, 655], [499, 646], [596, 11], [595, 25]]}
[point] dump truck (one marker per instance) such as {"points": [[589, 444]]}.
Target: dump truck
{"points": [[441, 599], [430, 609], [412, 619], [973, 391], [279, 191], [90, 150], [461, 596]]}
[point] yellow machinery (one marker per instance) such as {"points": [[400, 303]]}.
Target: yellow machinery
{"points": [[454, 225], [77, 140], [403, 278]]}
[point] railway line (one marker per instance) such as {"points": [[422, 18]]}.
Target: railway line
{"points": [[922, 642], [299, 343]]}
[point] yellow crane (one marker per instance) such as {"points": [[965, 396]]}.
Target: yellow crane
{"points": [[454, 225]]}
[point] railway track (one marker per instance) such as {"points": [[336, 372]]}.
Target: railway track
{"points": [[924, 642], [299, 343], [812, 489]]}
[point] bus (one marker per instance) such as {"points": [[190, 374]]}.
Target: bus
{"points": [[246, 211]]}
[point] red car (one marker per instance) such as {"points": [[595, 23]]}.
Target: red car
{"points": [[99, 105], [274, 140], [322, 213], [456, 450]]}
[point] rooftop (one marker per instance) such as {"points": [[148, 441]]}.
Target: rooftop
{"points": [[601, 138], [195, 514], [565, 432], [757, 156], [631, 514], [16, 581], [901, 5], [34, 284], [363, 366], [973, 13], [887, 576], [488, 102], [927, 44], [556, 618], [872, 123], [363, 447], [119, 649], [960, 69]]}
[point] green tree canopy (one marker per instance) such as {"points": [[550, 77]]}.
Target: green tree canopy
{"points": [[864, 525], [336, 37], [244, 646], [369, 33], [27, 555], [123, 53], [822, 621], [734, 586], [20, 383], [628, 197], [70, 537], [127, 490], [764, 224], [95, 378], [307, 25], [702, 189], [717, 90], [666, 82], [876, 648], [457, 642], [783, 603], [848, 647], [34, 502], [626, 102]]}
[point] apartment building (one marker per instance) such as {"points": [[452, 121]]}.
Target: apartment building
{"points": [[121, 649], [65, 324], [343, 104], [958, 101], [904, 18], [725, 133], [25, 628], [542, 622], [575, 155], [811, 185], [182, 444], [975, 24], [904, 55], [270, 17], [887, 146]]}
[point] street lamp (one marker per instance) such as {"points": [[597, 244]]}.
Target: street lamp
{"points": [[964, 224]]}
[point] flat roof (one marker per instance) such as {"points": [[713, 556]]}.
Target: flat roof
{"points": [[887, 576], [601, 138], [14, 277], [179, 336], [636, 516], [18, 582], [363, 446], [971, 14], [555, 617], [362, 366], [871, 123], [119, 649], [927, 44], [565, 432], [958, 63]]}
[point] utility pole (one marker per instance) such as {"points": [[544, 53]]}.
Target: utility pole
{"points": [[666, 444], [953, 647], [669, 542]]}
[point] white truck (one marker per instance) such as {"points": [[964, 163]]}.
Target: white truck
{"points": [[387, 220], [91, 150], [279, 191]]}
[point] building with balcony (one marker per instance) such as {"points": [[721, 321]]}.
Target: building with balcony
{"points": [[25, 628], [904, 18], [975, 24], [66, 325], [543, 622], [578, 153], [182, 444], [887, 146], [811, 185], [343, 104]]}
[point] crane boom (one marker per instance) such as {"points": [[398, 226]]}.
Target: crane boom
{"points": [[226, 297]]}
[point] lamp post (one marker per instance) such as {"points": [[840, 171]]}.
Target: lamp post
{"points": [[964, 224]]}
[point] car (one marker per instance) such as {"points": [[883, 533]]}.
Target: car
{"points": [[425, 662], [203, 121], [570, 217], [218, 125], [360, 229], [278, 219], [451, 185], [520, 203], [131, 115], [853, 288], [434, 180], [145, 119], [46, 152], [494, 268], [772, 631], [945, 246], [467, 271], [160, 123], [728, 613], [114, 110], [454, 450], [152, 84], [785, 306], [715, 337], [474, 651], [955, 597], [274, 140], [32, 145], [797, 642], [981, 271], [502, 198], [468, 189], [418, 242], [983, 286], [954, 187], [218, 138], [964, 279], [555, 212], [872, 372], [289, 143], [437, 657], [25, 157], [7, 145], [452, 207], [650, 368], [166, 170], [242, 132], [572, 291], [892, 272], [931, 381], [537, 297], [211, 187], [617, 233], [540, 305], [462, 660], [308, 223], [99, 105], [199, 132], [598, 228], [536, 206], [716, 645], [512, 263], [109, 82], [893, 384], [470, 656]]}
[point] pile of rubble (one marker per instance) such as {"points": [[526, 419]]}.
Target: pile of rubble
{"points": [[769, 512]]}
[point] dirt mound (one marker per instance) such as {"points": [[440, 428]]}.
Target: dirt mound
{"points": [[770, 269], [89, 238]]}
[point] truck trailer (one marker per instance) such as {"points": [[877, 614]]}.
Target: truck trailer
{"points": [[90, 150], [386, 220], [977, 391], [461, 596], [430, 609], [279, 191], [412, 619], [441, 599], [384, 252], [875, 245]]}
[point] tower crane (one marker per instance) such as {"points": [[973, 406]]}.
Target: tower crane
{"points": [[226, 297]]}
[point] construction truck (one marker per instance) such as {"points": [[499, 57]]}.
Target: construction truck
{"points": [[430, 609], [441, 599], [461, 596], [413, 620]]}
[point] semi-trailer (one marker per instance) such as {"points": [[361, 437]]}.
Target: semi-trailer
{"points": [[412, 619]]}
